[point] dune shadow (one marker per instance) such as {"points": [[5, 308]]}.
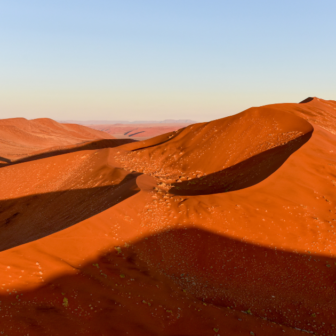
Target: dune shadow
{"points": [[4, 159], [133, 134], [130, 131], [35, 216], [99, 144], [307, 100], [167, 137], [242, 175], [234, 273], [201, 271]]}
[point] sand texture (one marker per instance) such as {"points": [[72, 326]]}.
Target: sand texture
{"points": [[221, 228]]}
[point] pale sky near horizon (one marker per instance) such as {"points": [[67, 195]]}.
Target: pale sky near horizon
{"points": [[167, 59]]}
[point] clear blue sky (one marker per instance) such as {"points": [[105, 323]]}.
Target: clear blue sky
{"points": [[159, 59]]}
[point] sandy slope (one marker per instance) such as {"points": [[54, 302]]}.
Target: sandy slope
{"points": [[20, 137], [223, 228]]}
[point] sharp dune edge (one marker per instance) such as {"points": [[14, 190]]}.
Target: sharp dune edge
{"points": [[220, 228]]}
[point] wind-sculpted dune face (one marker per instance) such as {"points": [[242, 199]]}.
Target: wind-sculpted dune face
{"points": [[20, 137], [222, 155], [220, 228]]}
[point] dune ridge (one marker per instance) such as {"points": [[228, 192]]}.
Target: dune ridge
{"points": [[20, 137], [220, 228]]}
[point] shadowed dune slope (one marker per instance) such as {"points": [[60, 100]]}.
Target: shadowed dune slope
{"points": [[20, 137], [221, 228], [206, 148], [44, 196]]}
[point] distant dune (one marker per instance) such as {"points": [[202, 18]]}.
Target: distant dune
{"points": [[220, 228], [20, 137], [138, 131], [125, 122]]}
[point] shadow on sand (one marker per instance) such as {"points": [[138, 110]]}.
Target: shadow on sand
{"points": [[242, 175], [32, 217], [99, 144], [179, 271]]}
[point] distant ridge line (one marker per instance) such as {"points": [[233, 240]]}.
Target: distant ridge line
{"points": [[110, 122]]}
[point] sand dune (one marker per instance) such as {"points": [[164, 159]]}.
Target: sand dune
{"points": [[138, 131], [221, 228], [20, 137]]}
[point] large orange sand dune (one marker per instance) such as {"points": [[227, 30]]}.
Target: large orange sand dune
{"points": [[221, 228], [20, 137]]}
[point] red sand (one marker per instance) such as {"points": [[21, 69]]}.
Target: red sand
{"points": [[223, 228], [137, 131], [20, 137]]}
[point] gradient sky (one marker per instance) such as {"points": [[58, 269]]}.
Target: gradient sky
{"points": [[160, 59]]}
